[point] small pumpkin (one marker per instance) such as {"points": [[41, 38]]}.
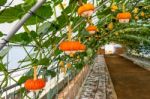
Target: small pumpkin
{"points": [[71, 47], [92, 29], [71, 54], [34, 84], [114, 8], [136, 17], [135, 11], [124, 17], [142, 14], [86, 10], [78, 57], [68, 65], [110, 26], [116, 33], [61, 63]]}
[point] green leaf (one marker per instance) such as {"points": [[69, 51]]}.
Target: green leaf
{"points": [[70, 8], [79, 65], [51, 73], [23, 79], [57, 52], [2, 2], [30, 2], [44, 28], [56, 2], [44, 61], [40, 15], [2, 67], [22, 38], [4, 82], [63, 20], [13, 13], [4, 52], [1, 34], [50, 41], [34, 61]]}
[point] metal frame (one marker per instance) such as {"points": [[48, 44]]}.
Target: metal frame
{"points": [[16, 27]]}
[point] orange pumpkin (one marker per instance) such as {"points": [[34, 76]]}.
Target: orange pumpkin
{"points": [[33, 85], [86, 10], [92, 29], [82, 48], [71, 46], [124, 17]]}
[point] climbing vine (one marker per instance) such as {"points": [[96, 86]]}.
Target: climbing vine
{"points": [[51, 21]]}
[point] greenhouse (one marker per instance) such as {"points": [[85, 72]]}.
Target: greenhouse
{"points": [[74, 49]]}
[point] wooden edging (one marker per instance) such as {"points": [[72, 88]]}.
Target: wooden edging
{"points": [[80, 90], [72, 89]]}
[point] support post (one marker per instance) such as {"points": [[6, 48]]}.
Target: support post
{"points": [[16, 27]]}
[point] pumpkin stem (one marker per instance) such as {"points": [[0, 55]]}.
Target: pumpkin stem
{"points": [[35, 73], [69, 32], [123, 7], [89, 21], [79, 39], [80, 2]]}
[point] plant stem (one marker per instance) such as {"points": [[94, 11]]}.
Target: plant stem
{"points": [[69, 32], [123, 7], [35, 72], [80, 2]]}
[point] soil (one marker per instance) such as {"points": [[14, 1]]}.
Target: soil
{"points": [[130, 81]]}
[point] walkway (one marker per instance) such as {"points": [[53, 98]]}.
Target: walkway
{"points": [[97, 84], [130, 81]]}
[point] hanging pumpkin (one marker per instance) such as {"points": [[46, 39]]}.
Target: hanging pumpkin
{"points": [[110, 26], [114, 8], [116, 33], [135, 11], [86, 10], [61, 63], [124, 17], [92, 29], [34, 84], [68, 65], [142, 14], [71, 47], [136, 17]]}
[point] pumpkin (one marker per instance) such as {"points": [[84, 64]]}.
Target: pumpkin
{"points": [[92, 29], [142, 14], [86, 10], [68, 65], [116, 33], [124, 17], [110, 26], [135, 11], [136, 17], [71, 47], [34, 84], [61, 63], [114, 8]]}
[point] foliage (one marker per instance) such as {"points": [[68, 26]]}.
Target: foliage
{"points": [[51, 30]]}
